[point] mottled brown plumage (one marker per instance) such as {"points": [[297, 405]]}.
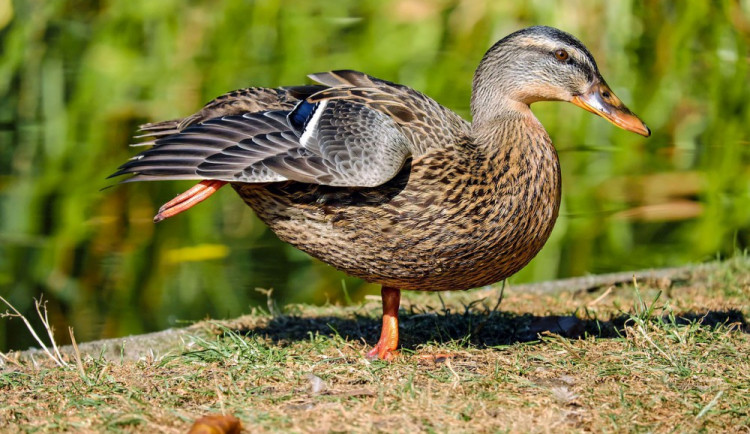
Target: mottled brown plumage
{"points": [[455, 218], [383, 182]]}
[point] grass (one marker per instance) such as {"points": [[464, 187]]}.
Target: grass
{"points": [[75, 81], [650, 356]]}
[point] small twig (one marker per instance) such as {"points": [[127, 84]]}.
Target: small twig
{"points": [[601, 297], [45, 321], [457, 380], [272, 310], [17, 314]]}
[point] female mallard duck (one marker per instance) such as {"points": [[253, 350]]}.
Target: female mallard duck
{"points": [[386, 184]]}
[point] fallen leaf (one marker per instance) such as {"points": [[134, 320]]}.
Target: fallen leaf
{"points": [[216, 424]]}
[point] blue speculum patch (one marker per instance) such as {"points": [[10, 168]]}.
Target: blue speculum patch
{"points": [[301, 114]]}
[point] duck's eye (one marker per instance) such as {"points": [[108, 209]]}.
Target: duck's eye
{"points": [[561, 55]]}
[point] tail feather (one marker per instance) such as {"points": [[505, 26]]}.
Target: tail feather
{"points": [[163, 125], [156, 130]]}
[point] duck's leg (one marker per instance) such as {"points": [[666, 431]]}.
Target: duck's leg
{"points": [[385, 349], [188, 199]]}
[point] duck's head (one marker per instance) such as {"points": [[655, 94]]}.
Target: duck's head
{"points": [[545, 64]]}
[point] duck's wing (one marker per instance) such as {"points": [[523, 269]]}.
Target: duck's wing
{"points": [[341, 136], [237, 102]]}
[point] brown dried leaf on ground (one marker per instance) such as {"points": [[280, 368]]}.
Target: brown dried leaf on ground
{"points": [[216, 424]]}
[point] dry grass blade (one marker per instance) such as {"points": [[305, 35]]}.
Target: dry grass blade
{"points": [[5, 359], [77, 356], [710, 405], [58, 360], [456, 378], [648, 339], [565, 343]]}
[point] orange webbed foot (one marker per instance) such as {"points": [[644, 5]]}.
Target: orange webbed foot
{"points": [[382, 352], [385, 349]]}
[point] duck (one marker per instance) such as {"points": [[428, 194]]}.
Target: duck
{"points": [[384, 183]]}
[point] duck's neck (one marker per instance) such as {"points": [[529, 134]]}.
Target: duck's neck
{"points": [[488, 109], [509, 127]]}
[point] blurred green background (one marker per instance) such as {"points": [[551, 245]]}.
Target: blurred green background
{"points": [[77, 77]]}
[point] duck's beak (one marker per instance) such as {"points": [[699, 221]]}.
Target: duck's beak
{"points": [[600, 100]]}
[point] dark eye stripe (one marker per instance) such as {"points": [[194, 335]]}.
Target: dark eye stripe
{"points": [[581, 67]]}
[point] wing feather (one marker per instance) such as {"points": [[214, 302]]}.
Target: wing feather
{"points": [[343, 136]]}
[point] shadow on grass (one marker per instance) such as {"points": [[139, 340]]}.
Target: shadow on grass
{"points": [[477, 329]]}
